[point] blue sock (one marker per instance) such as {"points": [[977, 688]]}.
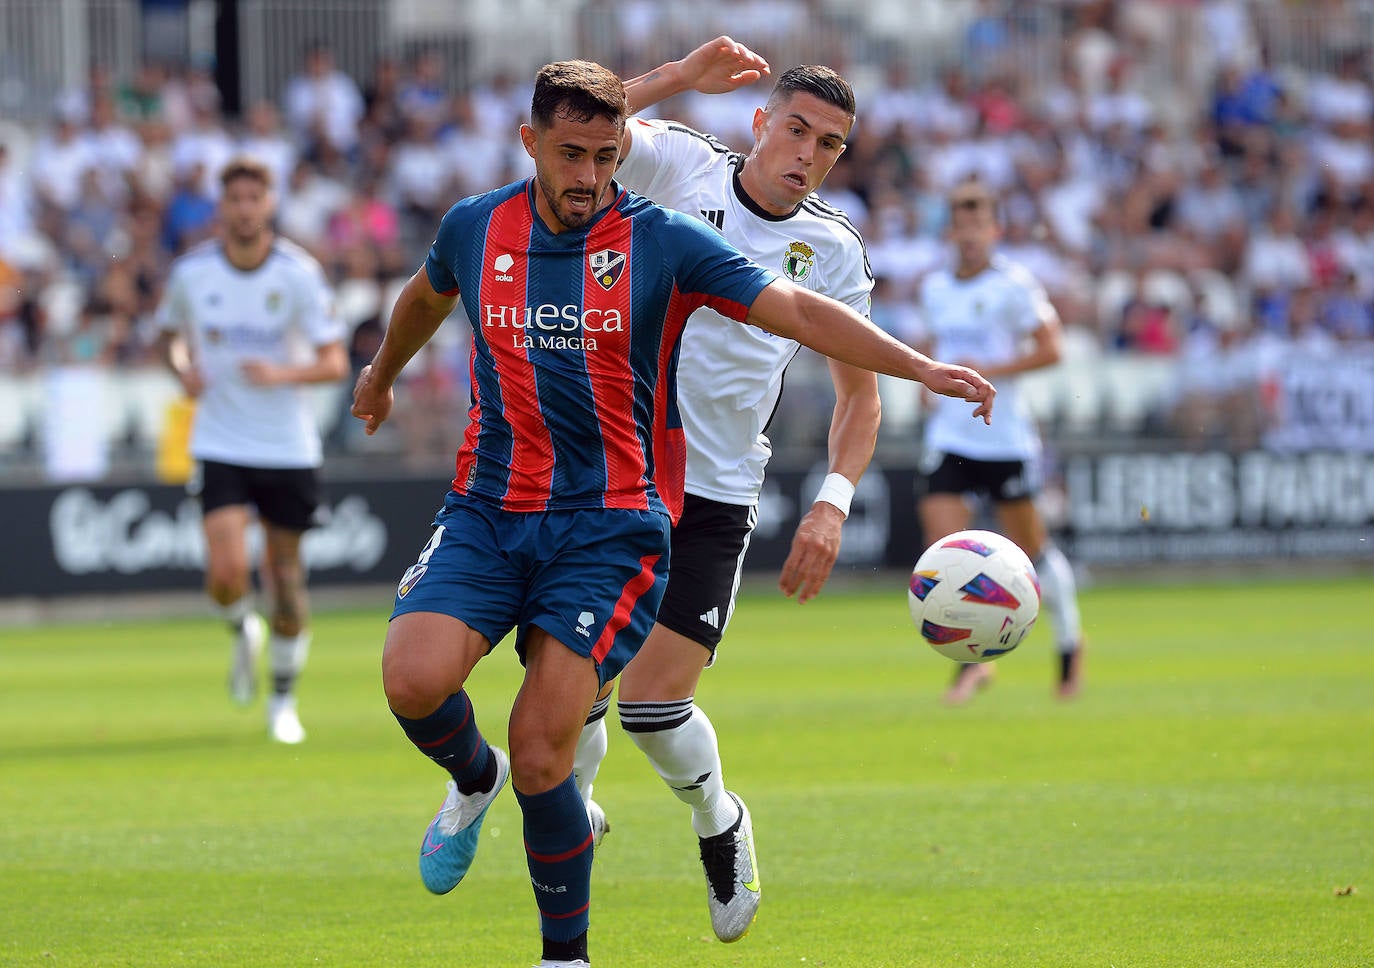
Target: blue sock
{"points": [[449, 736], [558, 849]]}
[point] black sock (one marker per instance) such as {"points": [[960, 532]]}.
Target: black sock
{"points": [[1065, 665], [566, 950]]}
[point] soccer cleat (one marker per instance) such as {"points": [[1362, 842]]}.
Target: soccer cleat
{"points": [[969, 679], [451, 839], [600, 825], [732, 877], [283, 725], [579, 963], [243, 666], [1070, 673]]}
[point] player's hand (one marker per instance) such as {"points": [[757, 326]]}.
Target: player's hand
{"points": [[720, 66], [371, 402], [952, 380], [260, 373], [815, 547], [192, 383]]}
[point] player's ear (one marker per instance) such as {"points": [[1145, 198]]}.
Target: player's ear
{"points": [[760, 117], [527, 138]]}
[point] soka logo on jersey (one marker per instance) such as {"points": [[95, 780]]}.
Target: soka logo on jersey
{"points": [[502, 266], [798, 261], [607, 265]]}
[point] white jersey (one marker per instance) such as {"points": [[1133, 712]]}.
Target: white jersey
{"points": [[982, 321], [730, 376], [279, 313]]}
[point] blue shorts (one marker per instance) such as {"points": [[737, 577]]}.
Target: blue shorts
{"points": [[592, 578]]}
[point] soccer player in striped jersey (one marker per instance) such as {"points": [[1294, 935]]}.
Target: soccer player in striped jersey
{"points": [[730, 379], [247, 320], [992, 313], [570, 473]]}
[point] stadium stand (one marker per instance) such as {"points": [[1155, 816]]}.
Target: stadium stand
{"points": [[1170, 171]]}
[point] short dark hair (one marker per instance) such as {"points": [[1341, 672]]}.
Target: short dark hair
{"points": [[579, 91], [817, 80], [972, 193], [243, 166]]}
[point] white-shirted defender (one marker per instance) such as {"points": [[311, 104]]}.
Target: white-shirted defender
{"points": [[992, 314], [729, 381], [247, 321]]}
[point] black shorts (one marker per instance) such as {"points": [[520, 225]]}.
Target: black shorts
{"points": [[708, 546], [288, 497], [999, 480]]}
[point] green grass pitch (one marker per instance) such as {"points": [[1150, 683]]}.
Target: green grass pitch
{"points": [[1207, 801]]}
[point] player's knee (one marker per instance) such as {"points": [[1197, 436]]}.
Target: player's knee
{"points": [[409, 692], [225, 585], [537, 762]]}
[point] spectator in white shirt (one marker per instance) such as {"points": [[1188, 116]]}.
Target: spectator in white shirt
{"points": [[324, 104], [267, 142]]}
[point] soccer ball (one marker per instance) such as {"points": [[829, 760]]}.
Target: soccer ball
{"points": [[974, 595]]}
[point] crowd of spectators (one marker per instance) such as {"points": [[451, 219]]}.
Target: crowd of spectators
{"points": [[1220, 220]]}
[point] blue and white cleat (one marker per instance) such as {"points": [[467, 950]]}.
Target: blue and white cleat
{"points": [[451, 840]]}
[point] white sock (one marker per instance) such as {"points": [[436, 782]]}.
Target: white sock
{"points": [[591, 749], [236, 611], [1059, 593], [681, 746], [289, 653]]}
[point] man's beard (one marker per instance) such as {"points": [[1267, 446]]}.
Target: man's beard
{"points": [[567, 219]]}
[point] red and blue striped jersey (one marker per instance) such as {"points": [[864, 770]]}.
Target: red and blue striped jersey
{"points": [[575, 346]]}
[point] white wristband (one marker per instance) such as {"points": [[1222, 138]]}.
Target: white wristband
{"points": [[837, 490]]}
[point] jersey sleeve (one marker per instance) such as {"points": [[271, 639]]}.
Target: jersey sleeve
{"points": [[663, 154], [443, 253], [708, 266], [853, 285], [1031, 306], [315, 307], [921, 331], [172, 315]]}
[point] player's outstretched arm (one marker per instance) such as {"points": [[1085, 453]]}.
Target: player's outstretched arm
{"points": [[834, 330], [716, 67], [330, 365], [418, 313], [853, 435]]}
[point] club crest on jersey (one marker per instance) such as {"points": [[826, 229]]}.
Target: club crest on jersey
{"points": [[798, 261], [607, 265], [273, 301]]}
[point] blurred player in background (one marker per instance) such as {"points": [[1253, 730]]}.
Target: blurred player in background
{"points": [[570, 474], [247, 321], [992, 314], [729, 381]]}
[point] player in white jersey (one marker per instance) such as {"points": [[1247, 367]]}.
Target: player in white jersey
{"points": [[729, 381], [247, 320], [992, 314]]}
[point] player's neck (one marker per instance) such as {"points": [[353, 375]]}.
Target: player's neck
{"points": [[753, 189], [967, 269], [247, 256]]}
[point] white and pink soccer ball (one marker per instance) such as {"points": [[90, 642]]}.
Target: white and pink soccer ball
{"points": [[974, 595]]}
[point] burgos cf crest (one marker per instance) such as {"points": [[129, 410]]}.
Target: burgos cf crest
{"points": [[798, 262], [607, 265]]}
